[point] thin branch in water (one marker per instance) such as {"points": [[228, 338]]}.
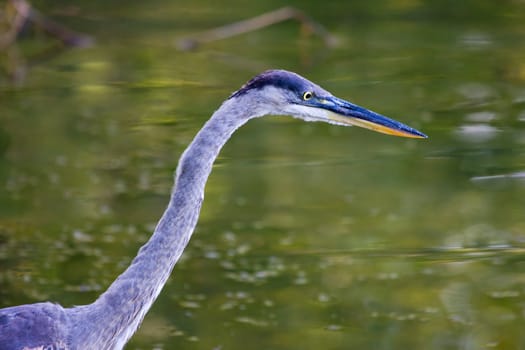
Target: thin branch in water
{"points": [[26, 14], [256, 23], [14, 16]]}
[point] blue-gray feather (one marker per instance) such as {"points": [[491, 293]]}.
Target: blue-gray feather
{"points": [[34, 326]]}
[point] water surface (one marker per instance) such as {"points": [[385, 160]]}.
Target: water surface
{"points": [[311, 236]]}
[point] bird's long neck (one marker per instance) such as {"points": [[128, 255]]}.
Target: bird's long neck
{"points": [[122, 307]]}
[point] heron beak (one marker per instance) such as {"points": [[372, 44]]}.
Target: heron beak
{"points": [[346, 113]]}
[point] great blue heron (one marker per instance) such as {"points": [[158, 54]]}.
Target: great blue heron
{"points": [[110, 321]]}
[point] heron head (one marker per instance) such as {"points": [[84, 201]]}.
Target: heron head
{"points": [[283, 92]]}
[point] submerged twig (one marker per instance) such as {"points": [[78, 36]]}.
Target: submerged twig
{"points": [[15, 16], [255, 23], [24, 14]]}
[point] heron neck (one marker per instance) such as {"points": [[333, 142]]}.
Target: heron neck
{"points": [[122, 307]]}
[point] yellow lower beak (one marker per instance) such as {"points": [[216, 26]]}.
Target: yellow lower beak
{"points": [[374, 126]]}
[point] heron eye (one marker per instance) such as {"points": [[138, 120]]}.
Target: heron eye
{"points": [[307, 95]]}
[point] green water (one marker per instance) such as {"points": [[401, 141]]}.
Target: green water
{"points": [[311, 236]]}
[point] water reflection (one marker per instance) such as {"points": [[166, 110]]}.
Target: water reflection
{"points": [[311, 237], [476, 132], [518, 176]]}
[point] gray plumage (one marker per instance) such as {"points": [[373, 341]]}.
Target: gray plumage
{"points": [[110, 321]]}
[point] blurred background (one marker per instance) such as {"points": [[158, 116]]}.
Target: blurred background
{"points": [[311, 236]]}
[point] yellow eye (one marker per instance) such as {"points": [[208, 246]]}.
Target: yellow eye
{"points": [[307, 95]]}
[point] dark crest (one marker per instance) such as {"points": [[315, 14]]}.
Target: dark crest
{"points": [[278, 78]]}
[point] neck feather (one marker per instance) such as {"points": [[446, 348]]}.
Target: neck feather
{"points": [[122, 307]]}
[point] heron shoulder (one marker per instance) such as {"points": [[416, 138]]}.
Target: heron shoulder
{"points": [[33, 326]]}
